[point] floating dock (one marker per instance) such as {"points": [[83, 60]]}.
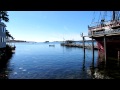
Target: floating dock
{"points": [[79, 46]]}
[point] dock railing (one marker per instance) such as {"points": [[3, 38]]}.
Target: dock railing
{"points": [[107, 32], [100, 30]]}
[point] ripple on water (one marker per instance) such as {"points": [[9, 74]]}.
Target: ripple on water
{"points": [[20, 68], [28, 72], [47, 63], [34, 61], [24, 70], [15, 73], [34, 57]]}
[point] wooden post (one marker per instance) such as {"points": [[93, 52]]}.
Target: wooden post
{"points": [[92, 66], [118, 55], [84, 62], [84, 51], [92, 47], [83, 43], [105, 52], [92, 51]]}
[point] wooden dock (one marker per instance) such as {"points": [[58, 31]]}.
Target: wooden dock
{"points": [[79, 46]]}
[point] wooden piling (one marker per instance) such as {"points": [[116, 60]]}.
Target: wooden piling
{"points": [[83, 43], [84, 51], [118, 55], [92, 51], [84, 62], [105, 52]]}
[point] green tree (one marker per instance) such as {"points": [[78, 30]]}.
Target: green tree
{"points": [[8, 35], [4, 16]]}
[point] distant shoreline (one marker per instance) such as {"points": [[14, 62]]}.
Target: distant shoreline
{"points": [[17, 41], [45, 41]]}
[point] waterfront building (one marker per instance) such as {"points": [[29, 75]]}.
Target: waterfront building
{"points": [[2, 35], [107, 35]]}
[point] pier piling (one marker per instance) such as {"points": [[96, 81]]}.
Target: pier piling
{"points": [[105, 52], [93, 51], [83, 43], [118, 55]]}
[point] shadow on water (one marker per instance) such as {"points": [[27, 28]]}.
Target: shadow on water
{"points": [[69, 49], [83, 71], [4, 62], [108, 70]]}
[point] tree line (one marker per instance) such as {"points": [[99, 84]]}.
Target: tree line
{"points": [[5, 17]]}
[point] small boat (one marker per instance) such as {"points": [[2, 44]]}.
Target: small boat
{"points": [[51, 45]]}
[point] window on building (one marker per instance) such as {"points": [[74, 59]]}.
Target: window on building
{"points": [[5, 39], [2, 28], [1, 39]]}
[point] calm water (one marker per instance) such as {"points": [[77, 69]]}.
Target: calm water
{"points": [[39, 61]]}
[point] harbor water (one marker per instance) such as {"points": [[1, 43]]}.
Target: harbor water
{"points": [[41, 61]]}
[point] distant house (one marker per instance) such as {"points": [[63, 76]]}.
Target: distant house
{"points": [[46, 41], [2, 35], [69, 41]]}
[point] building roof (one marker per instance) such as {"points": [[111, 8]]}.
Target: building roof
{"points": [[2, 24]]}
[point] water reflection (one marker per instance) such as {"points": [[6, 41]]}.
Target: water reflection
{"points": [[83, 71], [41, 62], [109, 70], [4, 63], [84, 63], [69, 49]]}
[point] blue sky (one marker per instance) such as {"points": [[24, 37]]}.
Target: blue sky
{"points": [[43, 26]]}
